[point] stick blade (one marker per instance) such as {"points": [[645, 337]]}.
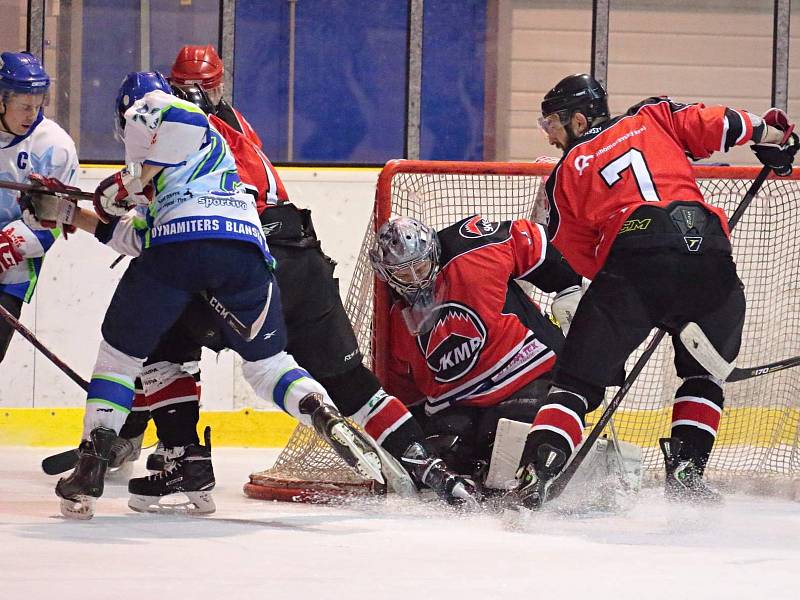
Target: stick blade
{"points": [[703, 351]]}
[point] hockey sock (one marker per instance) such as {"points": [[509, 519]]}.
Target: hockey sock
{"points": [[110, 394], [176, 424], [695, 417], [559, 422], [389, 423], [281, 380], [173, 401], [136, 423], [358, 395]]}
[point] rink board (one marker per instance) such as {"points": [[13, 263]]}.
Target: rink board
{"points": [[271, 429]]}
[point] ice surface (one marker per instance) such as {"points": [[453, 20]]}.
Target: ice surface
{"points": [[749, 548]]}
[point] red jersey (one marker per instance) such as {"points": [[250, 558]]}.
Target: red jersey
{"points": [[635, 158], [254, 168], [488, 339]]}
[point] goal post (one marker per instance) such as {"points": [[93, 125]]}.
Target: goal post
{"points": [[759, 435]]}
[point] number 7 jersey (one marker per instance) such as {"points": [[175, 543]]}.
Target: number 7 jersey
{"points": [[634, 158]]}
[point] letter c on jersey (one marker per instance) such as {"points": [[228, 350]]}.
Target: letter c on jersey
{"points": [[22, 160]]}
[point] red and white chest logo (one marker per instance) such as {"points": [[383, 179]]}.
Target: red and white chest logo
{"points": [[477, 227], [454, 343]]}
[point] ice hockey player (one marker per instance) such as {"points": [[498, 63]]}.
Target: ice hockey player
{"points": [[195, 231], [465, 337], [625, 210], [202, 65], [30, 144], [319, 333]]}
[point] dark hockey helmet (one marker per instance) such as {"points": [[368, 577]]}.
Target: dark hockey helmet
{"points": [[406, 256], [195, 94], [576, 93]]}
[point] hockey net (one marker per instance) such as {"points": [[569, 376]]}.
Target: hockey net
{"points": [[759, 435]]}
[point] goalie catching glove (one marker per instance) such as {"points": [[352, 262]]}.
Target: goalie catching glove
{"points": [[120, 192], [778, 154], [41, 210]]}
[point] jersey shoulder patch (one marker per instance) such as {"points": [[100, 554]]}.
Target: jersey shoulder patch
{"points": [[470, 233]]}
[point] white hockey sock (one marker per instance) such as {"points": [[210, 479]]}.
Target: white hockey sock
{"points": [[280, 379]]}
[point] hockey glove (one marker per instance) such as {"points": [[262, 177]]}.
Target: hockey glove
{"points": [[46, 211], [120, 192], [565, 303], [9, 254], [778, 156]]}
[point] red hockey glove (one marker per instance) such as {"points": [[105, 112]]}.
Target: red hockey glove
{"points": [[46, 211], [778, 156], [118, 193], [9, 254]]}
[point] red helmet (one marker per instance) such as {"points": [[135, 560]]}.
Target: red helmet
{"points": [[197, 64]]}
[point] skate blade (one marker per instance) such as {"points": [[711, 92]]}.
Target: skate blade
{"points": [[466, 500], [368, 463], [120, 474], [198, 503], [80, 507]]}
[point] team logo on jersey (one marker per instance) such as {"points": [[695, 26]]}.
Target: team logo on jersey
{"points": [[477, 227], [454, 343], [270, 228], [582, 161]]}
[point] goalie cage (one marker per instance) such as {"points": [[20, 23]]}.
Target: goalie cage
{"points": [[758, 447]]}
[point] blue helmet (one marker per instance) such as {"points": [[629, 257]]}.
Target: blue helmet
{"points": [[134, 87], [22, 73]]}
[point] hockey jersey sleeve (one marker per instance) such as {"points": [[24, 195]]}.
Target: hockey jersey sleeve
{"points": [[30, 243], [163, 130], [537, 261], [703, 130], [126, 234]]}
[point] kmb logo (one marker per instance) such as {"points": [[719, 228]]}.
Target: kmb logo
{"points": [[454, 343]]}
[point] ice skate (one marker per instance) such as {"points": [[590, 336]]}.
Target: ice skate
{"points": [[79, 491], [684, 480], [157, 460], [124, 452], [189, 472], [348, 443], [432, 471], [534, 479]]}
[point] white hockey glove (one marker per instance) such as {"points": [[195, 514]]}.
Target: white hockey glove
{"points": [[120, 192], [565, 303]]}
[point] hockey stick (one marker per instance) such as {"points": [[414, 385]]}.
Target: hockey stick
{"points": [[63, 461], [28, 335], [561, 482], [703, 351], [25, 187], [246, 332]]}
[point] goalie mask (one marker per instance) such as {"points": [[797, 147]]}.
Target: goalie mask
{"points": [[406, 256]]}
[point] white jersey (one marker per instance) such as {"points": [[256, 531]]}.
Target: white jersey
{"points": [[47, 150], [198, 192]]}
